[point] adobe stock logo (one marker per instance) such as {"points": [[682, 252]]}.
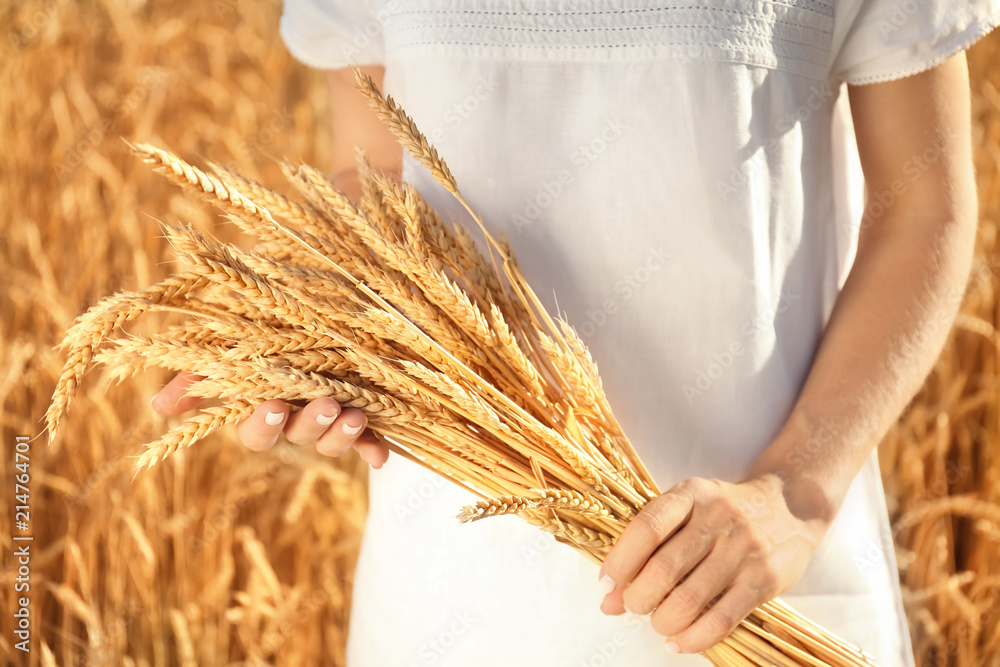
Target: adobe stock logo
{"points": [[625, 289], [370, 33], [724, 359], [551, 189], [901, 13], [820, 95], [465, 108], [436, 647]]}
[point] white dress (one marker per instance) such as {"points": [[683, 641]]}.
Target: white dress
{"points": [[681, 178]]}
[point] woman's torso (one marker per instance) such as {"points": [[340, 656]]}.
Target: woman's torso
{"points": [[665, 174]]}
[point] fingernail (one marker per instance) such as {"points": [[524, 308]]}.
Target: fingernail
{"points": [[324, 420], [607, 584], [352, 430], [274, 418], [672, 647]]}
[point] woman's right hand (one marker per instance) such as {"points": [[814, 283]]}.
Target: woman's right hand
{"points": [[323, 423]]}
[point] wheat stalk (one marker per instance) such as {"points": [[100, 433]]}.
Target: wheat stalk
{"points": [[452, 357]]}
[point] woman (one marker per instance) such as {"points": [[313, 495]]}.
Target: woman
{"points": [[682, 179]]}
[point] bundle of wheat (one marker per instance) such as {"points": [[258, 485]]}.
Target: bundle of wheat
{"points": [[456, 363]]}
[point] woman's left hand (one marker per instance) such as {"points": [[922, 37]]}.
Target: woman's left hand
{"points": [[705, 538]]}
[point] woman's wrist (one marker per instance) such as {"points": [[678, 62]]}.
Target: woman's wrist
{"points": [[799, 465]]}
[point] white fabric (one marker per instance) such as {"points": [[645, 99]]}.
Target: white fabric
{"points": [[681, 178]]}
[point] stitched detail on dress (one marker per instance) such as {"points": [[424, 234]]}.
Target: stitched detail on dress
{"points": [[783, 35], [665, 26], [826, 10], [732, 47], [770, 19], [972, 34]]}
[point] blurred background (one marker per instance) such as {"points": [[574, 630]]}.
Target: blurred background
{"points": [[224, 556]]}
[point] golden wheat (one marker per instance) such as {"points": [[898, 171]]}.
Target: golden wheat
{"points": [[453, 359]]}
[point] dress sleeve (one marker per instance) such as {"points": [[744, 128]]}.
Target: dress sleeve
{"points": [[882, 40], [331, 34]]}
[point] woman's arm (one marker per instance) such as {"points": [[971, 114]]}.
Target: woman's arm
{"points": [[322, 422], [897, 306], [752, 541], [355, 123]]}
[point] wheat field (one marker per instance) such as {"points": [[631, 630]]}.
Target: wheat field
{"points": [[224, 556]]}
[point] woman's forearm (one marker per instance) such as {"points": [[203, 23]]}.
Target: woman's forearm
{"points": [[355, 124], [884, 335], [897, 305]]}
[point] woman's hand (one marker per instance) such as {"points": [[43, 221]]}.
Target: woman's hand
{"points": [[751, 541], [705, 538], [322, 422]]}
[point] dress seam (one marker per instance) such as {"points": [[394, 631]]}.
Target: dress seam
{"points": [[775, 20], [721, 47], [613, 11], [917, 64], [750, 33]]}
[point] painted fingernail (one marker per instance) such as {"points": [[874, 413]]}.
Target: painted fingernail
{"points": [[274, 418], [672, 647], [607, 585], [324, 420], [352, 430]]}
